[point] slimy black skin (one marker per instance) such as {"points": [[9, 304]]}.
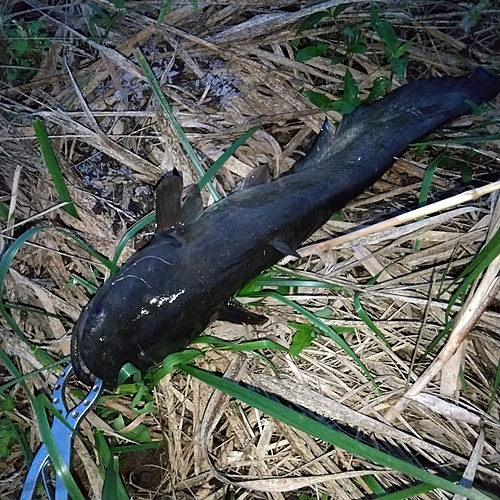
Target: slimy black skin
{"points": [[168, 292]]}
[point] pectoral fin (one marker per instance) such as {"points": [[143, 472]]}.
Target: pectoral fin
{"points": [[284, 249], [234, 313]]}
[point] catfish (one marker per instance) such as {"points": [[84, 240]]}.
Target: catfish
{"points": [[169, 291]]}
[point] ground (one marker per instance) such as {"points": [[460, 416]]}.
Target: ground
{"points": [[391, 295]]}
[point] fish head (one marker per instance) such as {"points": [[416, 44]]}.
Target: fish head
{"points": [[103, 336], [123, 322], [91, 334]]}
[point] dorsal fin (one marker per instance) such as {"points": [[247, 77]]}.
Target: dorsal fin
{"points": [[168, 201], [192, 206], [321, 147], [258, 175]]}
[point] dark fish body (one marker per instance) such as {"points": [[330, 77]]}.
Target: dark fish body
{"points": [[167, 293]]}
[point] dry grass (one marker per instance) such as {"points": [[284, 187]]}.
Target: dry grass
{"points": [[226, 67]]}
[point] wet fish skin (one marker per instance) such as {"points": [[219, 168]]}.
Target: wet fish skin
{"points": [[167, 293]]}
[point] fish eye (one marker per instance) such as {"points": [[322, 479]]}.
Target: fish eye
{"points": [[100, 313]]}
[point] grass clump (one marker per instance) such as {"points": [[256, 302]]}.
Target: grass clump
{"points": [[352, 329], [24, 43]]}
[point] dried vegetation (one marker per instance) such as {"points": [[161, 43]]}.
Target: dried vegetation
{"points": [[226, 67]]}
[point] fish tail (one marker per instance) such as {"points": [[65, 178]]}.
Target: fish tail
{"points": [[413, 111], [378, 133]]}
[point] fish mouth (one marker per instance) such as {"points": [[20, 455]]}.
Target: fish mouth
{"points": [[86, 367], [82, 372]]}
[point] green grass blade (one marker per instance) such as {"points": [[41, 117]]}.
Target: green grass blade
{"points": [[31, 310], [304, 334], [364, 315], [143, 401], [166, 6], [4, 211], [100, 258], [436, 340], [367, 320], [140, 224], [494, 390], [249, 345], [483, 259], [413, 492], [5, 263], [271, 277], [77, 280], [19, 379], [170, 362], [165, 106], [323, 328], [420, 489], [321, 431], [458, 140], [9, 432], [102, 448], [53, 167], [128, 448], [480, 262], [264, 280], [426, 188], [375, 485], [427, 180], [60, 468], [113, 487], [219, 163]]}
